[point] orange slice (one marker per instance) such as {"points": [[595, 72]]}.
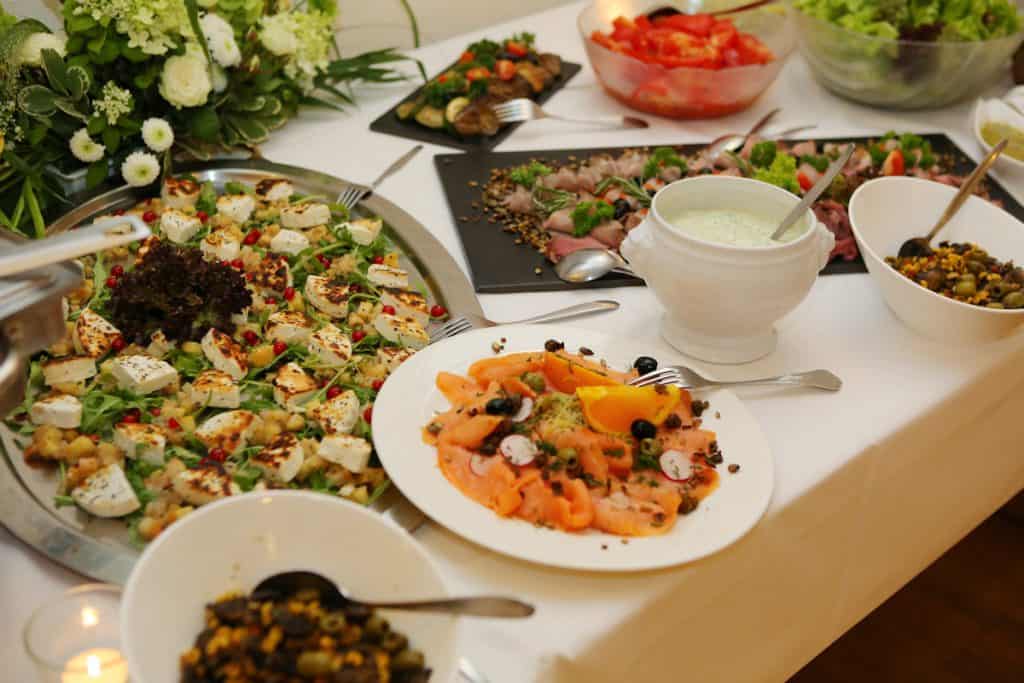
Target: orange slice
{"points": [[612, 409], [567, 374]]}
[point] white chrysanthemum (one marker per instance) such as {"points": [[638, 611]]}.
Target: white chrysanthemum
{"points": [[85, 149], [220, 79], [31, 50], [185, 81], [140, 169], [157, 134], [220, 39], [277, 33]]}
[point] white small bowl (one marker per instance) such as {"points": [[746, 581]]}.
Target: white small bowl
{"points": [[233, 544], [721, 301], [885, 212], [986, 110]]}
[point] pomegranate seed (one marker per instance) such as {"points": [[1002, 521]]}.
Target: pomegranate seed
{"points": [[252, 237], [377, 384], [149, 216], [111, 281], [202, 216], [389, 310], [271, 301], [355, 287], [368, 414], [289, 293], [118, 212], [378, 260], [279, 348], [217, 454], [334, 391], [237, 264], [358, 336], [438, 311], [173, 424], [118, 344], [324, 261], [95, 438], [250, 337], [117, 271], [129, 418], [154, 411]]}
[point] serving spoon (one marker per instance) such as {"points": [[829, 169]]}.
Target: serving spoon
{"points": [[337, 597], [730, 142], [814, 192], [587, 265], [921, 246]]}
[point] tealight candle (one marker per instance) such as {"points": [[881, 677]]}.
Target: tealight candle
{"points": [[97, 665]]}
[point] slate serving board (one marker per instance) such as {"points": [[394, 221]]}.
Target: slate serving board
{"points": [[498, 265], [390, 124]]}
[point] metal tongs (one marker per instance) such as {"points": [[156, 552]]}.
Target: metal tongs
{"points": [[106, 233]]}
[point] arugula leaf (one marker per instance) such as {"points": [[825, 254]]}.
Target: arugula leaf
{"points": [[378, 491], [187, 364]]}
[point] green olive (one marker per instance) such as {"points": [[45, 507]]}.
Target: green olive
{"points": [[975, 266], [408, 660], [650, 447], [376, 626], [332, 622], [313, 663], [965, 287], [1014, 300], [393, 642]]}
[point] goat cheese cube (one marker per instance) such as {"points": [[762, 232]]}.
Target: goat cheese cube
{"points": [[237, 207], [391, 357], [180, 193], [407, 304], [68, 370], [290, 327], [281, 459], [144, 441], [330, 345], [399, 330], [230, 430], [364, 230], [159, 344], [325, 297], [204, 485], [93, 334], [351, 452], [141, 374], [60, 410], [274, 189], [386, 276], [271, 273], [305, 215], [337, 415], [292, 386], [106, 493], [289, 242], [224, 353], [220, 246], [214, 388], [179, 226]]}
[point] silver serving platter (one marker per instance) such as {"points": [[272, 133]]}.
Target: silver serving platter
{"points": [[100, 548]]}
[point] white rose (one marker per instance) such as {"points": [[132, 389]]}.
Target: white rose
{"points": [[140, 169], [31, 51], [185, 81], [157, 134], [84, 148], [278, 38], [220, 39]]}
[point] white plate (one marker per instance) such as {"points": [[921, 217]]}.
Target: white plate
{"points": [[233, 544], [410, 398]]}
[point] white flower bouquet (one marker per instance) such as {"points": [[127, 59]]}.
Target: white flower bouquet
{"points": [[137, 83]]}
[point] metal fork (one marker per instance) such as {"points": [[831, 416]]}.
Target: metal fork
{"points": [[690, 379], [354, 193], [525, 109], [469, 321]]}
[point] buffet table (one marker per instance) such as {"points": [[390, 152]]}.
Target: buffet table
{"points": [[872, 483]]}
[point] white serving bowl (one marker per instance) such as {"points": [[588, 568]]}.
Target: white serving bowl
{"points": [[233, 544], [721, 301], [885, 212]]}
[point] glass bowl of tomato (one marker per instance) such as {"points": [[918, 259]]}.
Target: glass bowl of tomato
{"points": [[685, 66]]}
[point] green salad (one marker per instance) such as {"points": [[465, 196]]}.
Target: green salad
{"points": [[925, 20]]}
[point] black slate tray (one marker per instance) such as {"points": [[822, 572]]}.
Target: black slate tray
{"points": [[498, 265], [390, 124]]}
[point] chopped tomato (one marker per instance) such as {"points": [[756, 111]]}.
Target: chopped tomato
{"points": [[694, 24], [803, 180], [505, 69], [478, 73], [894, 164], [516, 49], [443, 78], [466, 57], [752, 50]]}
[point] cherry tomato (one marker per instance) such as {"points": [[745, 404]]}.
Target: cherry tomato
{"points": [[478, 73], [271, 301], [252, 237], [117, 271], [111, 281], [388, 310], [202, 216], [279, 348], [173, 424], [894, 164], [804, 182], [358, 335], [237, 264], [516, 49], [438, 311], [333, 391], [505, 69], [217, 454], [250, 337], [289, 293], [466, 57], [377, 260], [149, 216]]}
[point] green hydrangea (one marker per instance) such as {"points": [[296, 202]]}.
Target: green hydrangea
{"points": [[114, 103], [302, 39], [153, 26]]}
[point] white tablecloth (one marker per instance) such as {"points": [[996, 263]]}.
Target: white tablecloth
{"points": [[872, 483]]}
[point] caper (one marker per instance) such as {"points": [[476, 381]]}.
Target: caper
{"points": [[535, 381], [407, 660], [376, 626], [1014, 300], [311, 664], [965, 287], [650, 447], [332, 622], [567, 453], [393, 642]]}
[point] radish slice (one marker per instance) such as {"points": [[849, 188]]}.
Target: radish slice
{"points": [[524, 410], [480, 465], [518, 449], [675, 465]]}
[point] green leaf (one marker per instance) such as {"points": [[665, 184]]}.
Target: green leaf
{"points": [[128, 125], [78, 81], [230, 137], [35, 100], [97, 173], [12, 38], [266, 85], [133, 54], [146, 77], [250, 130], [79, 23], [109, 52], [193, 19], [74, 45], [56, 71], [205, 124], [96, 125], [112, 139], [250, 104], [272, 107], [72, 108]]}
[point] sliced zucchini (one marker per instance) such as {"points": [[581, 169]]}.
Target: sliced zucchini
{"points": [[455, 107], [431, 117], [406, 109]]}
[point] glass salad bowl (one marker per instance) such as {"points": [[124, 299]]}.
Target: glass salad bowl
{"points": [[686, 92], [900, 74]]}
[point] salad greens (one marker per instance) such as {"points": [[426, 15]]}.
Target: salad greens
{"points": [[944, 20], [781, 172], [588, 215]]}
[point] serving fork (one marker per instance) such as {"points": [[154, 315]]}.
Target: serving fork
{"points": [[355, 193], [691, 379], [469, 321], [525, 109]]}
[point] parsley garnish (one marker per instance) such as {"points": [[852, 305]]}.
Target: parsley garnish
{"points": [[588, 215]]}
